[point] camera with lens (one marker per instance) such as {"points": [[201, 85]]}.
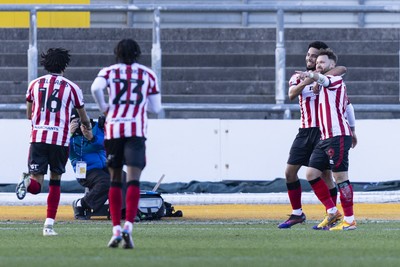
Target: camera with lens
{"points": [[101, 121], [78, 130]]}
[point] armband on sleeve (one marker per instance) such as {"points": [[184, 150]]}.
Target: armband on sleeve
{"points": [[323, 80]]}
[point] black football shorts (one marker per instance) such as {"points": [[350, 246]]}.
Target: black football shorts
{"points": [[130, 151], [332, 153], [42, 155], [303, 146]]}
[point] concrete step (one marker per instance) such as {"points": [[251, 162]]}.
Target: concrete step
{"points": [[75, 46], [76, 34], [334, 34], [213, 74], [256, 47], [221, 41], [223, 99], [229, 34], [210, 60], [178, 34], [217, 87], [221, 74], [186, 47], [230, 65], [374, 99], [238, 73], [268, 88], [12, 99], [230, 87], [263, 60]]}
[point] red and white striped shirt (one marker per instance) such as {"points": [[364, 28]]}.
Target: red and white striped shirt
{"points": [[308, 103], [52, 97], [332, 109], [128, 88]]}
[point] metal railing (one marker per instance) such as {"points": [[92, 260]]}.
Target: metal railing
{"points": [[285, 109], [280, 51]]}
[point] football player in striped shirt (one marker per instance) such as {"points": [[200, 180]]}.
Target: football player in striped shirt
{"points": [[308, 135], [332, 152], [49, 101], [132, 91]]}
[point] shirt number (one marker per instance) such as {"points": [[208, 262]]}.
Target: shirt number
{"points": [[52, 104], [126, 84]]}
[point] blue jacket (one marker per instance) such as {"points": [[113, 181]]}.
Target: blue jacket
{"points": [[93, 153]]}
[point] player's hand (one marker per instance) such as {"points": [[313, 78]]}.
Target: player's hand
{"points": [[303, 74], [74, 125], [106, 111], [316, 89], [308, 81], [354, 140]]}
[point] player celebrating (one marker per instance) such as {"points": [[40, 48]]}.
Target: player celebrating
{"points": [[308, 135], [336, 140], [132, 90], [49, 101]]}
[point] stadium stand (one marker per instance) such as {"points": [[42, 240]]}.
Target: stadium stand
{"points": [[214, 65], [232, 61]]}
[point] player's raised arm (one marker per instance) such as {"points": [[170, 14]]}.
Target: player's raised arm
{"points": [[295, 90]]}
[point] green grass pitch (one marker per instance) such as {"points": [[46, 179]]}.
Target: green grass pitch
{"points": [[192, 244]]}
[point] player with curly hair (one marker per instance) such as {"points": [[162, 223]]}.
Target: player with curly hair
{"points": [[49, 101]]}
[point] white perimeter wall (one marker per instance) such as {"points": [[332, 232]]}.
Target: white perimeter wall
{"points": [[216, 150]]}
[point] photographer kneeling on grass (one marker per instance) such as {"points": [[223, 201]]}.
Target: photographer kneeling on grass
{"points": [[88, 158]]}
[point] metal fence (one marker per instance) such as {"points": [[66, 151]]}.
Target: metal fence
{"points": [[157, 10]]}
